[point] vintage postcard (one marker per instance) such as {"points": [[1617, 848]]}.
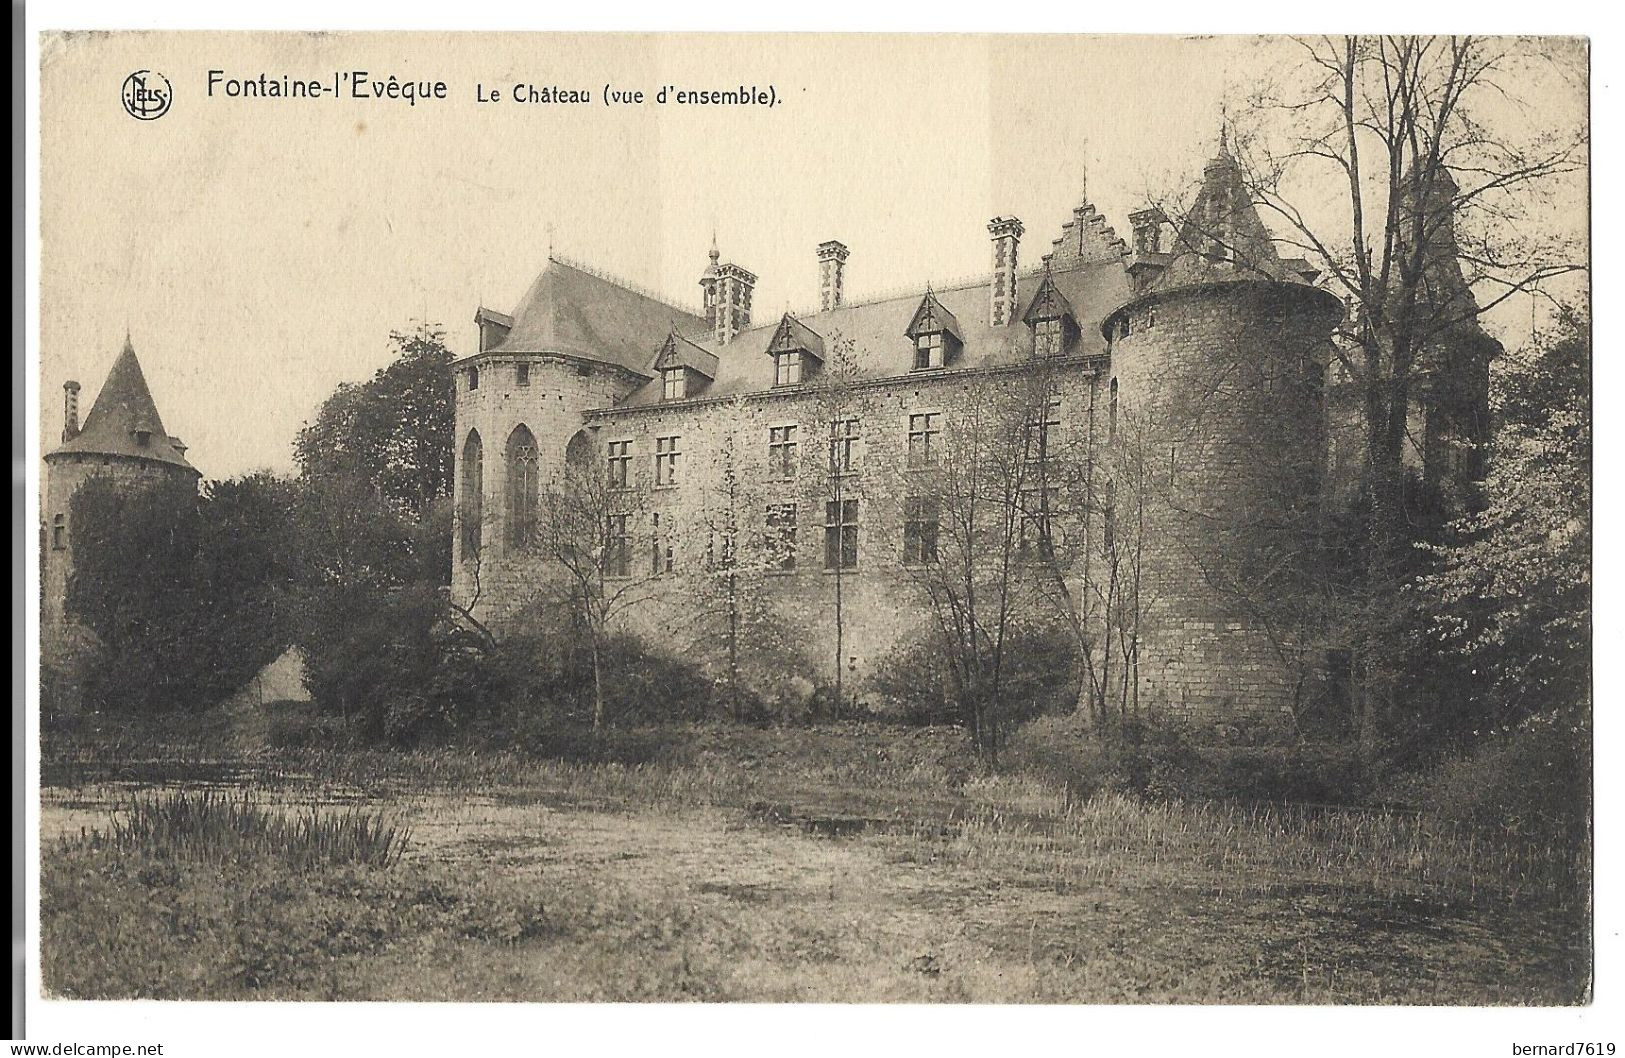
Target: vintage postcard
{"points": [[807, 518]]}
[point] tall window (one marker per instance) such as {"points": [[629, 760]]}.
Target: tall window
{"points": [[843, 446], [521, 375], [922, 438], [471, 507], [1037, 510], [664, 558], [1043, 430], [787, 368], [841, 534], [59, 533], [666, 456], [928, 351], [921, 519], [781, 451], [781, 535], [674, 380], [1111, 432], [620, 464], [473, 378], [617, 547], [522, 495], [1047, 337]]}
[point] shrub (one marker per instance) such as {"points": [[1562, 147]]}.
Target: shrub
{"points": [[1039, 676], [1531, 782], [1164, 760]]}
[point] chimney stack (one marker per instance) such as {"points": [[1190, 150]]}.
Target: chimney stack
{"points": [[1006, 232], [1148, 225], [70, 410], [733, 290], [831, 274]]}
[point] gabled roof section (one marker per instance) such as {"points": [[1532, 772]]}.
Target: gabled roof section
{"points": [[680, 352], [575, 312], [123, 414], [931, 317], [793, 334], [1048, 303]]}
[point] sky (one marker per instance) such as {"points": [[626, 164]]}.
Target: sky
{"points": [[259, 252]]}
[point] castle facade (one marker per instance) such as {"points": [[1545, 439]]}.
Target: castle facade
{"points": [[1186, 379]]}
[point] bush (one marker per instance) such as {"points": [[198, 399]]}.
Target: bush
{"points": [[1039, 676], [1529, 782], [1158, 761]]}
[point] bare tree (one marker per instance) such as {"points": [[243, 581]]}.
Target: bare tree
{"points": [[839, 405], [745, 545], [978, 524], [588, 526], [1443, 175]]}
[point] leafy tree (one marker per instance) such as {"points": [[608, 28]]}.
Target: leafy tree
{"points": [[184, 591], [391, 437], [383, 646], [1510, 597]]}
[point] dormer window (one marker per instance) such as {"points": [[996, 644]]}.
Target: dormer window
{"points": [[787, 368], [674, 383], [928, 351], [1055, 327], [797, 351], [143, 437], [935, 334], [685, 369]]}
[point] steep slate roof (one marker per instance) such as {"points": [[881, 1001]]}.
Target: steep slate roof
{"points": [[571, 311], [878, 331], [123, 408], [1222, 238]]}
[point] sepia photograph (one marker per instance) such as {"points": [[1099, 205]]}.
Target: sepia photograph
{"points": [[920, 518]]}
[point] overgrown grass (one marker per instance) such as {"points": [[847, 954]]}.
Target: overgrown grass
{"points": [[210, 827]]}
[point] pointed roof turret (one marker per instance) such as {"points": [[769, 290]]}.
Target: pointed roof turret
{"points": [[124, 421]]}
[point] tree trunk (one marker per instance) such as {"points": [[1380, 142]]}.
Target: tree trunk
{"points": [[597, 686]]}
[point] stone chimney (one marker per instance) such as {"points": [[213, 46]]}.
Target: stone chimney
{"points": [[831, 274], [1148, 225], [1006, 232], [70, 410], [732, 310]]}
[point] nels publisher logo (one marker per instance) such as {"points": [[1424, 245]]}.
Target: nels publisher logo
{"points": [[147, 95]]}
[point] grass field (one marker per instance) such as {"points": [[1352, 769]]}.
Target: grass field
{"points": [[856, 865]]}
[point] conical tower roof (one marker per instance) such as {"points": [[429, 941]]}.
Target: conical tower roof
{"points": [[124, 421], [1221, 237]]}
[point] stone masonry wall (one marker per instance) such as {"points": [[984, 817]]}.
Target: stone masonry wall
{"points": [[1219, 455]]}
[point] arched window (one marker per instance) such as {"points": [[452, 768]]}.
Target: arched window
{"points": [[521, 507], [1111, 430], [471, 506]]}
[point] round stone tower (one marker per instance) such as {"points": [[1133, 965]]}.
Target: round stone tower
{"points": [[124, 439], [579, 341], [1214, 462]]}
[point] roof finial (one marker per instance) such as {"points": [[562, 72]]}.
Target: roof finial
{"points": [[1083, 183], [715, 253], [549, 240], [1224, 128]]}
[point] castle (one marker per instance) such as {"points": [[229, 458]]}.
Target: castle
{"points": [[1195, 367]]}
